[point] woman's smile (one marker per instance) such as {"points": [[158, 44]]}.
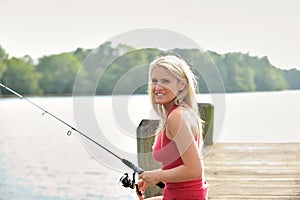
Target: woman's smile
{"points": [[165, 86]]}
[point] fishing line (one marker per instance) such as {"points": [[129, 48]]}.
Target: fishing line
{"points": [[126, 162]]}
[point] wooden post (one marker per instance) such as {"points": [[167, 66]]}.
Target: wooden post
{"points": [[145, 141], [206, 112], [146, 137]]}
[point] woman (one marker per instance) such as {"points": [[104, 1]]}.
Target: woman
{"points": [[172, 92]]}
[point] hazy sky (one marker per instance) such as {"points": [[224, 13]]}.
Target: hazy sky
{"points": [[261, 27]]}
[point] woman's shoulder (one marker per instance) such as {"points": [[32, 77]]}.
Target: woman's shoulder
{"points": [[180, 115], [173, 122], [175, 114], [180, 119], [182, 111], [183, 115]]}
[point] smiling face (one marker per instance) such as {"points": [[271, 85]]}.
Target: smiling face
{"points": [[164, 87]]}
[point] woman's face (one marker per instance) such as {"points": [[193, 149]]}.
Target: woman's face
{"points": [[165, 86]]}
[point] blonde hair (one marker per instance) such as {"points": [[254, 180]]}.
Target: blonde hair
{"points": [[181, 70]]}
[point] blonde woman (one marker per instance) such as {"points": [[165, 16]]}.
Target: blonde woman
{"points": [[173, 96]]}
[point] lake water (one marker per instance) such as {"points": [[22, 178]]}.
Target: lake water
{"points": [[39, 161]]}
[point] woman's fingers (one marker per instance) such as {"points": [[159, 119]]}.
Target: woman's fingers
{"points": [[140, 196], [142, 185], [150, 177], [141, 188]]}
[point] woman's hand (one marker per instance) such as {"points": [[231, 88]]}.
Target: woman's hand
{"points": [[150, 177], [141, 188]]}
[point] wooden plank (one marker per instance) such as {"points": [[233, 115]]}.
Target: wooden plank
{"points": [[254, 171]]}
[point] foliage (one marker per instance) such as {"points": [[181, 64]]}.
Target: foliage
{"points": [[128, 73], [292, 77], [58, 73], [21, 76], [122, 69], [81, 53], [242, 72], [3, 61], [3, 66]]}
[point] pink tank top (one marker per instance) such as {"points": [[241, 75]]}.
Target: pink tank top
{"points": [[166, 152]]}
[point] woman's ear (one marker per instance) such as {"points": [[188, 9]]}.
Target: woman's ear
{"points": [[182, 84]]}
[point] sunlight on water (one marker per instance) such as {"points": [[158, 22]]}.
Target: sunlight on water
{"points": [[39, 161]]}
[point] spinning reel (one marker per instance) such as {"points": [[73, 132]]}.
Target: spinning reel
{"points": [[127, 182]]}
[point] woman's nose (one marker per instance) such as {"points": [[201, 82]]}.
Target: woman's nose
{"points": [[158, 87]]}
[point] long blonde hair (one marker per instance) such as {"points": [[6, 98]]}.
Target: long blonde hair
{"points": [[181, 70]]}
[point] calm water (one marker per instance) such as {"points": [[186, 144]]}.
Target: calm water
{"points": [[262, 117], [39, 161]]}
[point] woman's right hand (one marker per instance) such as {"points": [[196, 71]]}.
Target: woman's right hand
{"points": [[140, 195], [141, 187]]}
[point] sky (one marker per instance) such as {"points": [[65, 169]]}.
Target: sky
{"points": [[261, 28]]}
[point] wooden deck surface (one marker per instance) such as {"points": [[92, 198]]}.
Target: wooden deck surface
{"points": [[253, 171]]}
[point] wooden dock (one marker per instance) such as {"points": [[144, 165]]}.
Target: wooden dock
{"points": [[239, 171], [253, 171]]}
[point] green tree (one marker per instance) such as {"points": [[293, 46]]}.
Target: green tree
{"points": [[2, 70], [238, 76], [128, 73], [3, 54], [292, 76], [58, 73], [242, 72], [268, 77], [3, 61], [81, 53], [117, 69], [21, 76]]}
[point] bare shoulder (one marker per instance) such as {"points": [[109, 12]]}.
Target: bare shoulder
{"points": [[175, 115], [177, 120], [180, 113], [182, 119]]}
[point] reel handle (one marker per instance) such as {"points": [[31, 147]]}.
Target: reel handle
{"points": [[139, 170]]}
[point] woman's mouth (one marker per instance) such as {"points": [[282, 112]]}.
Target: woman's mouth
{"points": [[159, 94]]}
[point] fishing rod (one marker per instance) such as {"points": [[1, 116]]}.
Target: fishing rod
{"points": [[125, 180]]}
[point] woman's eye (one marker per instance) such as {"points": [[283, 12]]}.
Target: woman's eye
{"points": [[165, 81], [154, 81]]}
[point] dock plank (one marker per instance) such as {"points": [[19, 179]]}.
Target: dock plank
{"points": [[253, 171]]}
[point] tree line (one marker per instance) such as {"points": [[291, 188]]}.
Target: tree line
{"points": [[103, 68]]}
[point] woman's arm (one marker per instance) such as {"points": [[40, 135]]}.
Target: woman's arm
{"points": [[179, 129]]}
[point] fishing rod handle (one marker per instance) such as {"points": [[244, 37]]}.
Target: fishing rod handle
{"points": [[139, 170]]}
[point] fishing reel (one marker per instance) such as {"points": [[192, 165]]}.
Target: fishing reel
{"points": [[127, 182]]}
